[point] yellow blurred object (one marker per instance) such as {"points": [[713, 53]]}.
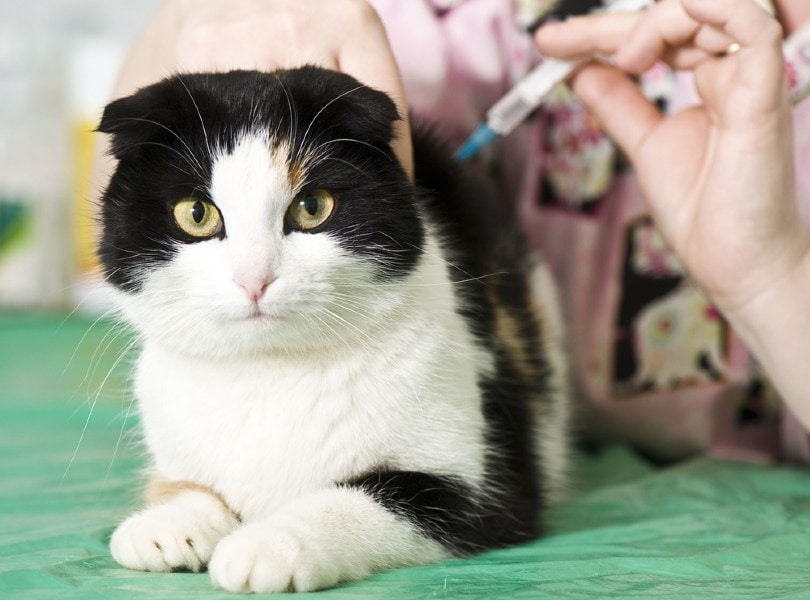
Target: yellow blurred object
{"points": [[84, 220], [93, 64]]}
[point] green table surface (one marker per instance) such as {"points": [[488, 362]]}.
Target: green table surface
{"points": [[70, 465]]}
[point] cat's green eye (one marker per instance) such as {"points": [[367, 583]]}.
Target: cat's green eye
{"points": [[198, 218], [310, 209]]}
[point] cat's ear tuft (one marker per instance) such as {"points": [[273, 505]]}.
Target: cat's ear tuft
{"points": [[137, 120]]}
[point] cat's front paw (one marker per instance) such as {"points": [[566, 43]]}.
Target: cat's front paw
{"points": [[178, 535], [265, 558]]}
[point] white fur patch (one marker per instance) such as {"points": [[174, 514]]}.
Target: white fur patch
{"points": [[552, 426], [252, 189]]}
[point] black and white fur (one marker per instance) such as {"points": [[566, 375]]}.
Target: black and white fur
{"points": [[385, 390]]}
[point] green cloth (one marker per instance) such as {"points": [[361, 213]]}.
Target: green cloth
{"points": [[69, 471]]}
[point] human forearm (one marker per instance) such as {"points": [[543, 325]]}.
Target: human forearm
{"points": [[776, 328]]}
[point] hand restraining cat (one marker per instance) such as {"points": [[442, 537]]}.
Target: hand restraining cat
{"points": [[342, 371]]}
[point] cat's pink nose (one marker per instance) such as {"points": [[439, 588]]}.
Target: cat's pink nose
{"points": [[255, 286]]}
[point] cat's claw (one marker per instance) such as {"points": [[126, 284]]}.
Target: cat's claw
{"points": [[170, 537]]}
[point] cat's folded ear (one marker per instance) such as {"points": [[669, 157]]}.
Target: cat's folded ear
{"points": [[357, 110], [371, 117], [137, 120]]}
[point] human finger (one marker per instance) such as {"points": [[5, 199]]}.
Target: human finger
{"points": [[665, 31], [744, 20], [711, 40], [760, 63], [619, 105], [582, 36], [664, 26], [686, 58]]}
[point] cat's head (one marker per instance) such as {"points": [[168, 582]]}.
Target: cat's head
{"points": [[253, 211]]}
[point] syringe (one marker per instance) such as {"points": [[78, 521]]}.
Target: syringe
{"points": [[511, 110]]}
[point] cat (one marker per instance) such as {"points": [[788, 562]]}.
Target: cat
{"points": [[341, 371]]}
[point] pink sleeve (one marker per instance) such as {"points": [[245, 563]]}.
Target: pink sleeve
{"points": [[797, 63]]}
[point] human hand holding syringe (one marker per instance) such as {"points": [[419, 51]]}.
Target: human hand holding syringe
{"points": [[513, 108], [718, 178]]}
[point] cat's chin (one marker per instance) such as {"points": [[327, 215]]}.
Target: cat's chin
{"points": [[241, 339]]}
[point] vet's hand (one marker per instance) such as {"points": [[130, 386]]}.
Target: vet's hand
{"points": [[214, 35], [718, 178]]}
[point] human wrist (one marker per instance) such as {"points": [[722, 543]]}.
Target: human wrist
{"points": [[775, 308], [784, 275], [775, 326]]}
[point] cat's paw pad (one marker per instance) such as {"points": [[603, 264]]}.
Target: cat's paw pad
{"points": [[264, 559], [171, 537]]}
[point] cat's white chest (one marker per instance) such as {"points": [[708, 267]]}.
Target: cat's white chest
{"points": [[256, 433], [264, 432]]}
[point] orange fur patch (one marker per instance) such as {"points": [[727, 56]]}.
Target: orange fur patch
{"points": [[159, 490], [508, 331]]}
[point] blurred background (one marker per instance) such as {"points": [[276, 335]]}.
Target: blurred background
{"points": [[58, 61]]}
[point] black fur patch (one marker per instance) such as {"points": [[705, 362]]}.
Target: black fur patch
{"points": [[447, 510], [488, 261]]}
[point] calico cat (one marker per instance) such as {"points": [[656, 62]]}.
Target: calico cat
{"points": [[342, 371]]}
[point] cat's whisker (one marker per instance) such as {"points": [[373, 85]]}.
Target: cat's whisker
{"points": [[334, 338], [126, 416], [193, 166], [431, 254], [95, 362], [293, 117], [323, 108], [407, 284], [96, 287], [328, 341], [199, 116], [345, 162], [344, 305], [92, 399], [363, 334], [323, 315], [354, 141], [103, 316], [191, 158]]}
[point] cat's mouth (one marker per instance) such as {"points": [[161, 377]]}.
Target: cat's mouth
{"points": [[255, 315]]}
